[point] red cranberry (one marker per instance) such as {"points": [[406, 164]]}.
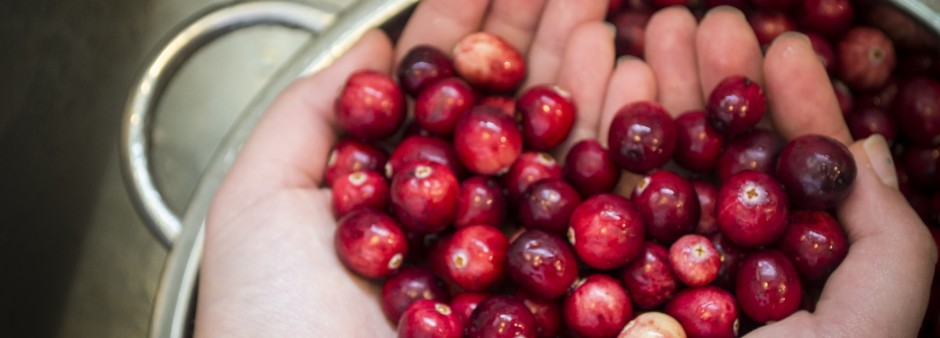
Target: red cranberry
{"points": [[669, 205], [371, 106], [739, 4], [597, 307], [424, 196], [487, 141], [437, 259], [695, 260], [668, 3], [631, 32], [361, 189], [649, 279], [350, 156], [407, 286], [769, 24], [370, 243], [883, 97], [465, 303], [868, 121], [501, 317], [918, 110], [731, 256], [427, 318], [816, 243], [547, 205], [752, 209], [698, 144], [642, 137], [922, 166], [476, 257], [823, 50], [776, 5], [707, 201], [653, 324], [844, 96], [768, 287], [413, 129], [546, 114], [439, 105], [606, 231], [489, 63], [422, 66], [590, 169], [705, 312], [827, 17], [481, 201], [736, 104], [505, 104], [547, 313], [817, 171], [415, 148], [542, 264], [529, 168], [866, 58], [755, 150]]}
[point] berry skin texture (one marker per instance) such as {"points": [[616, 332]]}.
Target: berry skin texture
{"points": [[422, 66], [542, 264], [547, 205], [817, 172], [649, 278], [642, 137], [465, 303], [370, 243], [416, 148], [597, 307], [735, 105], [371, 106], [426, 318], [816, 243], [424, 196], [752, 209], [351, 156], [705, 312], [606, 231], [698, 144], [866, 58], [407, 286], [546, 114], [489, 63], [768, 287], [481, 201], [361, 189], [439, 105], [918, 110], [547, 313], [590, 169], [529, 168], [653, 324], [754, 150], [501, 317], [487, 140], [669, 205], [475, 257], [695, 260]]}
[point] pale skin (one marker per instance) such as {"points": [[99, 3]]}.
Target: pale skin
{"points": [[270, 269]]}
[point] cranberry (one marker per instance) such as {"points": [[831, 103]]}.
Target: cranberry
{"points": [[427, 318], [844, 96], [736, 104], [755, 150], [918, 110], [883, 97], [546, 114], [415, 148], [542, 264], [752, 209], [529, 168], [439, 105], [361, 189], [669, 205], [827, 17], [407, 286], [776, 5], [698, 144], [476, 257], [739, 4], [437, 259], [705, 312], [731, 256], [707, 199], [768, 287], [868, 121], [465, 303], [642, 137], [371, 106], [823, 50], [424, 196], [547, 205], [695, 260], [489, 63], [817, 171], [597, 307], [590, 169], [422, 66], [606, 231], [653, 324], [919, 62], [505, 104], [547, 313], [370, 243], [487, 140], [866, 58], [922, 166], [631, 32], [649, 278], [816, 243], [481, 201], [667, 3], [769, 24], [350, 156], [501, 317]]}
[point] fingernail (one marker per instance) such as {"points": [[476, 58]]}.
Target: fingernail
{"points": [[613, 30], [880, 158], [726, 9], [626, 58], [799, 35]]}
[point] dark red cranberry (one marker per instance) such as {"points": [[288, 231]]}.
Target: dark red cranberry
{"points": [[883, 97], [370, 243], [437, 259], [695, 260], [422, 66], [501, 317], [361, 189], [752, 209], [918, 110], [866, 58], [816, 243], [827, 17], [415, 148], [439, 105], [606, 231], [476, 257], [817, 171], [407, 286], [487, 140], [698, 144], [642, 137], [922, 166], [769, 24], [776, 5], [424, 196], [631, 32], [755, 150], [823, 50], [705, 312], [768, 287], [597, 307], [465, 303], [653, 324], [731, 256], [489, 63], [542, 264], [505, 104], [707, 200], [481, 201], [844, 96], [649, 278], [350, 156], [529, 168], [427, 318], [868, 121], [735, 105], [371, 106], [546, 114], [739, 4], [547, 205], [668, 3], [547, 313], [669, 205], [590, 169], [413, 129]]}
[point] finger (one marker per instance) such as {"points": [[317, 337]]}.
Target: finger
{"points": [[559, 19], [515, 21], [726, 46], [801, 98], [440, 23], [670, 37]]}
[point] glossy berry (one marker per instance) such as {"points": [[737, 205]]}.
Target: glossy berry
{"points": [[755, 150], [827, 17], [752, 209], [547, 205], [371, 106], [642, 137], [465, 303], [705, 312], [735, 105], [817, 171], [426, 318], [918, 110], [695, 260], [866, 58], [649, 278], [351, 156], [653, 324], [669, 205], [546, 114], [816, 243], [731, 257], [708, 201], [407, 286], [597, 307], [489, 63], [424, 196], [768, 287], [590, 169], [439, 105], [529, 168], [361, 189], [480, 201], [487, 140], [546, 312], [542, 263], [606, 231], [416, 148], [370, 243], [422, 66], [501, 317], [698, 144], [630, 26], [475, 257]]}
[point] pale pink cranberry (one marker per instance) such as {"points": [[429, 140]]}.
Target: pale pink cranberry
{"points": [[642, 137], [529, 168], [417, 148], [465, 303], [597, 307], [546, 114], [653, 324], [823, 50], [439, 105], [767, 286], [707, 200], [868, 121], [424, 196], [918, 110], [547, 205], [827, 17], [481, 201], [735, 105], [631, 32], [487, 141], [371, 106], [752, 209], [476, 257], [546, 312], [542, 264], [501, 317], [407, 286], [370, 243], [695, 260], [427, 318], [489, 63], [816, 243], [705, 312], [505, 104], [606, 231], [590, 169], [817, 171], [866, 58], [669, 205], [649, 278], [698, 144], [731, 256], [350, 156], [422, 66], [755, 150], [769, 24], [361, 189]]}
